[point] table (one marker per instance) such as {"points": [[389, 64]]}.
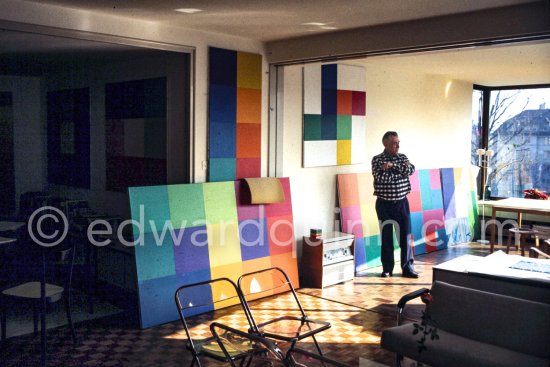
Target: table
{"points": [[494, 273], [6, 240], [519, 206], [8, 226]]}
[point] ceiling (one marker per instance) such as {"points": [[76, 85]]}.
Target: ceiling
{"points": [[267, 20]]}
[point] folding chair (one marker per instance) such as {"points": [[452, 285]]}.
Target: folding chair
{"points": [[291, 327], [196, 303]]}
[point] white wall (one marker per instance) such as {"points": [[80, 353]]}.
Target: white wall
{"points": [[431, 114]]}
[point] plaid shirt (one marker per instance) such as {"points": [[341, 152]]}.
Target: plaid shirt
{"points": [[392, 184]]}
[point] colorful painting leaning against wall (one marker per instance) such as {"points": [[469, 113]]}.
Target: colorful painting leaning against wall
{"points": [[190, 233]]}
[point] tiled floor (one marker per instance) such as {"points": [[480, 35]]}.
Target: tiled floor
{"points": [[359, 310]]}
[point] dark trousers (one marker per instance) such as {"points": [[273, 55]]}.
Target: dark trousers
{"points": [[395, 214]]}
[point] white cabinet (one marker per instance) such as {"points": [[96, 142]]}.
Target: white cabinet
{"points": [[328, 260]]}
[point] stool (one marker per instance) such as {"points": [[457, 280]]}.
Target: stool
{"points": [[521, 235]]}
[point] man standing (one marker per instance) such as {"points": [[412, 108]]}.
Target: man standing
{"points": [[391, 171]]}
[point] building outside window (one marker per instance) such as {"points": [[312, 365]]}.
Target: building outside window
{"points": [[519, 134]]}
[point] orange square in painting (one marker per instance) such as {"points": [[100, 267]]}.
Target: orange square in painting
{"points": [[415, 201], [231, 271], [262, 281], [344, 102], [249, 106], [281, 235], [347, 190], [289, 264], [249, 140]]}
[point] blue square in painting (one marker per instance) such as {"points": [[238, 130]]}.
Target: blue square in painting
{"points": [[437, 198], [191, 249], [254, 241], [416, 225], [222, 169], [222, 141], [420, 248], [157, 300], [223, 66], [329, 76], [155, 255], [329, 101], [149, 207], [442, 238], [222, 104], [360, 255], [329, 124]]}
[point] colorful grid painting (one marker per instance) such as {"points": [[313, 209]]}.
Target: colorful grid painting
{"points": [[334, 115], [358, 216], [69, 137], [443, 204], [235, 115], [427, 213], [460, 203], [135, 133], [195, 232]]}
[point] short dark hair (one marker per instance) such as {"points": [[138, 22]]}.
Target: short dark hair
{"points": [[387, 135]]}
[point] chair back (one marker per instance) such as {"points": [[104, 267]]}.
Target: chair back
{"points": [[197, 301], [267, 282]]}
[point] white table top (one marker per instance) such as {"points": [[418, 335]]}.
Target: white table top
{"points": [[6, 240], [6, 226], [519, 203], [497, 264]]}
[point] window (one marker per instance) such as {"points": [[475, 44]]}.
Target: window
{"points": [[518, 131]]}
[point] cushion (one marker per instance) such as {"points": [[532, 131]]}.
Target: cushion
{"points": [[452, 350]]}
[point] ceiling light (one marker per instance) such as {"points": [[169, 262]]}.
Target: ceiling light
{"points": [[315, 23], [188, 10]]}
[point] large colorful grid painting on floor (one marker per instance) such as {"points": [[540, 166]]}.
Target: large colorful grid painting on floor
{"points": [[195, 232], [334, 115], [234, 106], [135, 133], [443, 204]]}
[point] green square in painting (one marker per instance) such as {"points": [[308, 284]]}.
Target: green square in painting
{"points": [[312, 127], [343, 127], [372, 251], [219, 202], [222, 169], [149, 208], [186, 205]]}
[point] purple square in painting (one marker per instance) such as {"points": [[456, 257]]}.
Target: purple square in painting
{"points": [[191, 249], [254, 242]]}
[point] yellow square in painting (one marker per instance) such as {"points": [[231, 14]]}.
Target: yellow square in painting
{"points": [[223, 293], [249, 70], [343, 152], [224, 247]]}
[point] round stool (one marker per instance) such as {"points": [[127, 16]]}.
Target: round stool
{"points": [[521, 235]]}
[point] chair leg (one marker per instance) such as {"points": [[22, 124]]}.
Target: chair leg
{"points": [[35, 315], [3, 320], [509, 242], [70, 319]]}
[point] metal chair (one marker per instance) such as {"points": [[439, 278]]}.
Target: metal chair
{"points": [[196, 302], [291, 327], [52, 284]]}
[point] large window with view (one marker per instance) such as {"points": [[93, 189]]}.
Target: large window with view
{"points": [[516, 127]]}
